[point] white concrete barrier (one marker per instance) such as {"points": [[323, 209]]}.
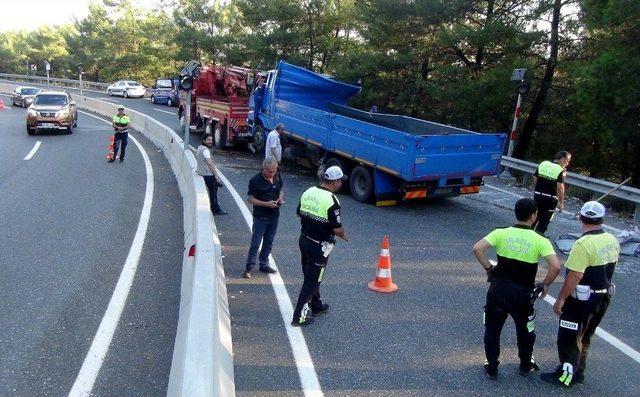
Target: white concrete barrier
{"points": [[202, 362]]}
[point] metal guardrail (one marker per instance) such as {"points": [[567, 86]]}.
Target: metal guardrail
{"points": [[54, 81], [595, 185]]}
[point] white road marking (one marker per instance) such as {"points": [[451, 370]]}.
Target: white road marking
{"points": [[304, 363], [615, 229], [615, 342], [33, 151], [612, 340], [110, 100], [86, 378], [164, 111]]}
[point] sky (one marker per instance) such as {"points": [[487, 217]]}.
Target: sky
{"points": [[29, 14]]}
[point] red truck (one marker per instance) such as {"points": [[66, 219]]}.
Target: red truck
{"points": [[220, 104]]}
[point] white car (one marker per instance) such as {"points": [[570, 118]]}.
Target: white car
{"points": [[127, 88]]}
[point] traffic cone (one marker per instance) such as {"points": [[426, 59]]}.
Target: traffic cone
{"points": [[110, 150], [383, 281], [1, 104]]}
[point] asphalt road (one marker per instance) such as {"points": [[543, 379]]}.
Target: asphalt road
{"points": [[68, 219], [426, 339]]}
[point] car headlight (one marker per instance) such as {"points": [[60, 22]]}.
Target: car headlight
{"points": [[62, 113]]}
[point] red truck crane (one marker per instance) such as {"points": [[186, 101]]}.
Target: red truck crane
{"points": [[220, 104]]}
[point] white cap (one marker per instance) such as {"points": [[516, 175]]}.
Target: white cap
{"points": [[334, 173], [592, 210], [120, 107]]}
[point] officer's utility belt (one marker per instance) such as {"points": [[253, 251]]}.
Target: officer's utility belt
{"points": [[583, 292], [327, 246], [546, 195]]}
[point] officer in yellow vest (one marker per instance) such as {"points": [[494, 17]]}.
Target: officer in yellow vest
{"points": [[512, 285], [121, 124], [549, 189], [585, 295], [319, 212]]}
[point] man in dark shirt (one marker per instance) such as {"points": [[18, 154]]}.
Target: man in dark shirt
{"points": [[319, 211], [265, 194], [549, 189]]}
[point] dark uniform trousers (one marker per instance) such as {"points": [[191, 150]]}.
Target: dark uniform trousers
{"points": [[313, 266], [506, 298], [120, 137], [578, 323], [546, 209]]}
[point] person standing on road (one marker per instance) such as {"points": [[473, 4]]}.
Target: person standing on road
{"points": [[512, 290], [273, 147], [266, 195], [319, 212], [549, 189], [585, 295], [121, 124], [207, 170]]}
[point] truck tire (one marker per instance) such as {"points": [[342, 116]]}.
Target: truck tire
{"points": [[331, 161], [220, 136], [361, 184], [258, 139]]}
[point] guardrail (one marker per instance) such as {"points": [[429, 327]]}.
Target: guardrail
{"points": [[54, 81], [595, 185], [202, 363]]}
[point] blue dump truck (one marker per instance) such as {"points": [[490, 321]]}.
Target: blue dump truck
{"points": [[388, 158]]}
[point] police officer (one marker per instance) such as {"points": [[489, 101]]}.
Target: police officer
{"points": [[511, 292], [319, 211], [121, 124], [585, 295], [549, 189]]}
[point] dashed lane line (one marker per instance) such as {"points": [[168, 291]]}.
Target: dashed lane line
{"points": [[33, 151], [164, 111], [95, 357], [304, 363]]}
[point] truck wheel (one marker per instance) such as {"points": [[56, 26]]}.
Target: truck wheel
{"points": [[361, 184], [258, 139], [340, 163], [220, 136]]}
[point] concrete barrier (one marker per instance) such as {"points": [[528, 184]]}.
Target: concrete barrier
{"points": [[202, 362]]}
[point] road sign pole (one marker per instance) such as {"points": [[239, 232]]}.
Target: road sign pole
{"points": [[47, 67], [187, 120], [80, 78], [513, 136]]}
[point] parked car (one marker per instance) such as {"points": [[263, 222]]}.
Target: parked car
{"points": [[23, 96], [165, 91], [52, 110], [127, 88]]}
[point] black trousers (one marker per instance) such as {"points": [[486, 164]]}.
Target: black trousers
{"points": [[577, 325], [120, 137], [210, 181], [546, 209], [313, 266], [505, 298]]}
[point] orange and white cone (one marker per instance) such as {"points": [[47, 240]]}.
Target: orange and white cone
{"points": [[110, 151], [1, 104], [383, 281]]}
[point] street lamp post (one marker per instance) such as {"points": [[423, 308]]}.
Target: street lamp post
{"points": [[47, 67]]}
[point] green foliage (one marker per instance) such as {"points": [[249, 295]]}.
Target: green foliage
{"points": [[447, 61]]}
